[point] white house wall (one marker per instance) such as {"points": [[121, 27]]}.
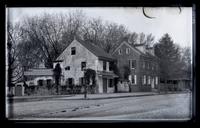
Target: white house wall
{"points": [[74, 61]]}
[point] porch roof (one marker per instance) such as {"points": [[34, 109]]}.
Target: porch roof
{"points": [[107, 74]]}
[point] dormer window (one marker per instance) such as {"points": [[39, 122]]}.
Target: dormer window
{"points": [[127, 50], [120, 51], [73, 50]]}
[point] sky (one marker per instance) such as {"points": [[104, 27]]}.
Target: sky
{"points": [[167, 20]]}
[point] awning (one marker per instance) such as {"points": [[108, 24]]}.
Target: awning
{"points": [[107, 74]]}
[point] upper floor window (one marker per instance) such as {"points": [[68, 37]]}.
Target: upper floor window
{"points": [[110, 66], [83, 65], [104, 65], [127, 50], [73, 50], [120, 51], [132, 64], [143, 65], [67, 68]]}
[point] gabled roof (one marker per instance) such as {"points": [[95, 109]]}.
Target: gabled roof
{"points": [[135, 48], [97, 51], [39, 72], [124, 42]]}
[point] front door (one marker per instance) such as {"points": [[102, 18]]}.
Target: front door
{"points": [[104, 85]]}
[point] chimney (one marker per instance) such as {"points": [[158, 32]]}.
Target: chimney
{"points": [[151, 51], [141, 47]]}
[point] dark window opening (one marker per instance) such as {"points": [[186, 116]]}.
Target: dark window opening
{"points": [[104, 65], [40, 82], [67, 68], [48, 82], [132, 64], [73, 50], [70, 81], [110, 83], [83, 65], [132, 79], [111, 66]]}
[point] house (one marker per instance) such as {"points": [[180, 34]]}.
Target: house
{"points": [[39, 76], [180, 81], [80, 55], [143, 65]]}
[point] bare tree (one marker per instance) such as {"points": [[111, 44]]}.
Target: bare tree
{"points": [[132, 38], [142, 38], [149, 40], [15, 70]]}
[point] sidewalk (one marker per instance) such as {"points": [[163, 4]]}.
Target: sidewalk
{"points": [[89, 96], [108, 95]]}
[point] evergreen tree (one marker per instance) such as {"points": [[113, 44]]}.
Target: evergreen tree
{"points": [[169, 56], [57, 74]]}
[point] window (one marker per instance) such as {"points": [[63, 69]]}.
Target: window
{"points": [[67, 68], [120, 51], [134, 79], [70, 81], [127, 50], [83, 65], [149, 80], [81, 81], [144, 80], [104, 65], [143, 65], [73, 50], [132, 64], [40, 82], [156, 80], [110, 66], [110, 83], [48, 82]]}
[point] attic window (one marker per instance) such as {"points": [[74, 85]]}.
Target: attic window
{"points": [[120, 51], [67, 68], [127, 50], [73, 50]]}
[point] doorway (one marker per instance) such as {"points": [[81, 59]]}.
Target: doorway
{"points": [[104, 85]]}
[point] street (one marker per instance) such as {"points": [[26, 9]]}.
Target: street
{"points": [[168, 106]]}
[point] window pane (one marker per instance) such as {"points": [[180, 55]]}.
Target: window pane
{"points": [[104, 65], [119, 51], [110, 83], [73, 51], [83, 65], [133, 64]]}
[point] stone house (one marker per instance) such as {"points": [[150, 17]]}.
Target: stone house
{"points": [[143, 65], [80, 55]]}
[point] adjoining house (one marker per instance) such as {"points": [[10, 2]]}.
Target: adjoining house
{"points": [[143, 65], [179, 82], [40, 76], [80, 55]]}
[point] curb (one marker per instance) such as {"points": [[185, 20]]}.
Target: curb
{"points": [[94, 98], [112, 97]]}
